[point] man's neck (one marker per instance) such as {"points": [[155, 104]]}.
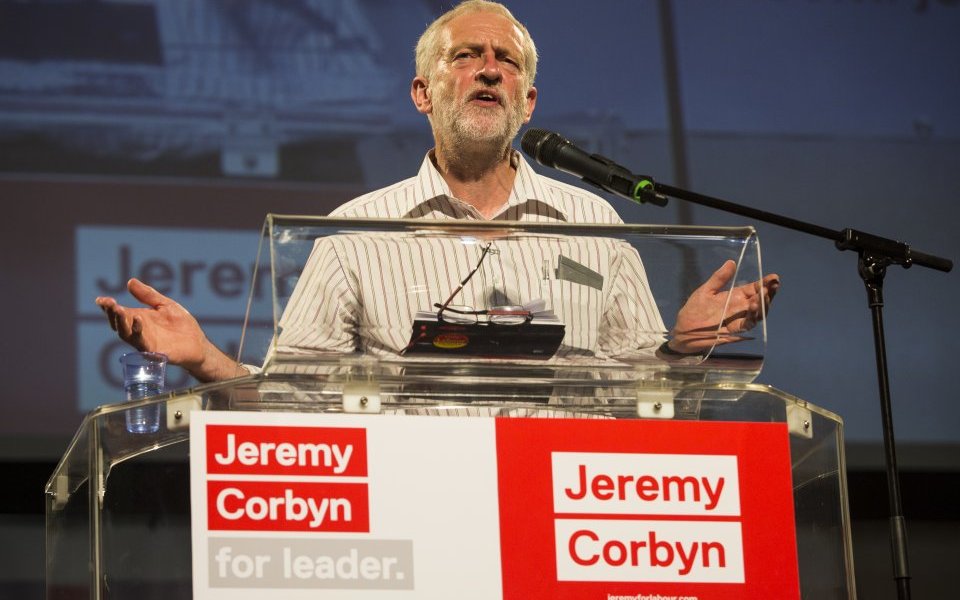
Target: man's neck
{"points": [[482, 179]]}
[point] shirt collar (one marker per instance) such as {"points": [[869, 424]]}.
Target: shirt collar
{"points": [[432, 188]]}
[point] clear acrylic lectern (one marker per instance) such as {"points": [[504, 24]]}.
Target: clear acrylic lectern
{"points": [[365, 316]]}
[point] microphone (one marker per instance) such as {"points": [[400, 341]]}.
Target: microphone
{"points": [[553, 150]]}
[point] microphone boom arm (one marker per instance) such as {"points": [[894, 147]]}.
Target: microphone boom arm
{"points": [[847, 239]]}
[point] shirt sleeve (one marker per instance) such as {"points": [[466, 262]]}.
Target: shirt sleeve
{"points": [[322, 312], [631, 325]]}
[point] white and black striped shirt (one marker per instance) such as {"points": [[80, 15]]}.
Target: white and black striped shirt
{"points": [[359, 293], [533, 198]]}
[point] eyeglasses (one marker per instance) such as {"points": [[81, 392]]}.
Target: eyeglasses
{"points": [[498, 315], [466, 315]]}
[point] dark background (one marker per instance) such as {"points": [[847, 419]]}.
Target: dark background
{"points": [[205, 115]]}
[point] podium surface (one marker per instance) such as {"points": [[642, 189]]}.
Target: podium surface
{"points": [[119, 504]]}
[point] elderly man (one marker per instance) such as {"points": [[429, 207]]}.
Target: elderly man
{"points": [[475, 70]]}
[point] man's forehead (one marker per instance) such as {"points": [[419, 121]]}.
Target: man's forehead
{"points": [[481, 27]]}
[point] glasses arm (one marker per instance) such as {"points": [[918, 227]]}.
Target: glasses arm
{"points": [[453, 295]]}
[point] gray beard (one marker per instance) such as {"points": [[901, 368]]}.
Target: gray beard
{"points": [[464, 133]]}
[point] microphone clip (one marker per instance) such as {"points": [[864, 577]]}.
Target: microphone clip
{"points": [[620, 181]]}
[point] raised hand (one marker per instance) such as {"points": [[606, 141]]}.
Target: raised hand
{"points": [[166, 326], [715, 315]]}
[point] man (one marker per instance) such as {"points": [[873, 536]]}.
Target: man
{"points": [[475, 70]]}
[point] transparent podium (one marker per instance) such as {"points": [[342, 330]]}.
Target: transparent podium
{"points": [[428, 319]]}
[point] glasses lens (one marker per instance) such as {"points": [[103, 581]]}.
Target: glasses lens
{"points": [[455, 314], [508, 315]]}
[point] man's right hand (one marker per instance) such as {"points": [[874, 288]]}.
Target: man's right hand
{"points": [[165, 326]]}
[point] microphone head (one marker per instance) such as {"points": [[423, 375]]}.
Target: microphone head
{"points": [[542, 146]]}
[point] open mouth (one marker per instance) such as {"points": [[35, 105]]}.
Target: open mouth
{"points": [[486, 97]]}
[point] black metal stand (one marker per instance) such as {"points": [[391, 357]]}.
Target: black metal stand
{"points": [[872, 270], [875, 255]]}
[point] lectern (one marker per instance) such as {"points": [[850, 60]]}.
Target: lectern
{"points": [[461, 409]]}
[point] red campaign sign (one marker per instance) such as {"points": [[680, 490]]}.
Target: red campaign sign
{"points": [[592, 509], [291, 451], [287, 506]]}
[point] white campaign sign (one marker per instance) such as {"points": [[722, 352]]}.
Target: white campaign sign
{"points": [[431, 524], [413, 506]]}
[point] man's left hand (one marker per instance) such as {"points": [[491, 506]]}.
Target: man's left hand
{"points": [[714, 315]]}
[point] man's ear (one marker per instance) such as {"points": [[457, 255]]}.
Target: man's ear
{"points": [[421, 95], [531, 103]]}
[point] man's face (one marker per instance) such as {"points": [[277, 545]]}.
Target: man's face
{"points": [[478, 92]]}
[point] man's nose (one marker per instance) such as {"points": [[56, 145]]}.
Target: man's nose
{"points": [[489, 72]]}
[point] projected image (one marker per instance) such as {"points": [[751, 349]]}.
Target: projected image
{"points": [[200, 88]]}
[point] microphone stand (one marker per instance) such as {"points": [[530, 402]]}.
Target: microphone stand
{"points": [[875, 255]]}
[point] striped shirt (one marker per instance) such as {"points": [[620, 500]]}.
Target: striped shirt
{"points": [[360, 292], [533, 198]]}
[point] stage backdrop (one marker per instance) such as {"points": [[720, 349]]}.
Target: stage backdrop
{"points": [[150, 137]]}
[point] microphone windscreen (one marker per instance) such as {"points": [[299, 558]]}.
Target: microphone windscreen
{"points": [[532, 143]]}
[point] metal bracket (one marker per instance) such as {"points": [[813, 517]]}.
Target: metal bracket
{"points": [[799, 421], [61, 492], [179, 409], [655, 403], [361, 397]]}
